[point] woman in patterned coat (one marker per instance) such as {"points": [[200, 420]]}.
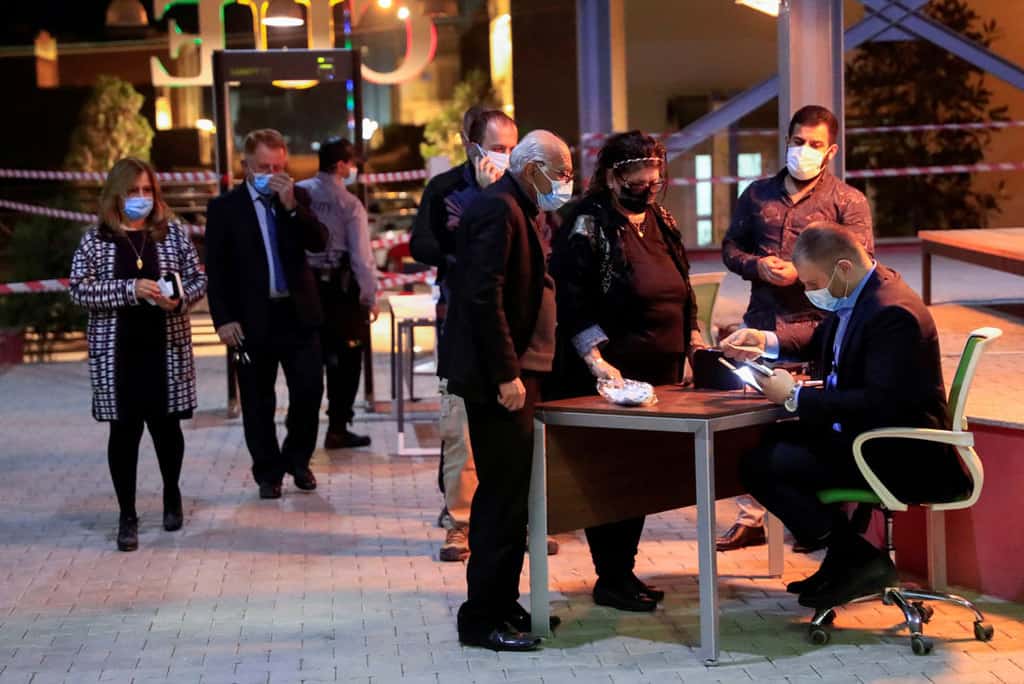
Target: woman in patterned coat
{"points": [[140, 341]]}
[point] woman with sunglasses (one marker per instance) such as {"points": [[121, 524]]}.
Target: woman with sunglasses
{"points": [[625, 310]]}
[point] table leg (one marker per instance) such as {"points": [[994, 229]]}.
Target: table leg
{"points": [[704, 443], [540, 608], [393, 342], [926, 275], [776, 549], [399, 389]]}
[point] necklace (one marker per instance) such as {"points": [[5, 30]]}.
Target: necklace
{"points": [[138, 252], [638, 226]]}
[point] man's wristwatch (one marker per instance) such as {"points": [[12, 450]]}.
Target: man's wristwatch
{"points": [[791, 403]]}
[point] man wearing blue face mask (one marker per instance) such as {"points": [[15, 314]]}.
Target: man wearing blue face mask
{"points": [[879, 351], [499, 343], [264, 301], [768, 218]]}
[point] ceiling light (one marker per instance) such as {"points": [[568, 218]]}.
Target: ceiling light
{"points": [[283, 13], [770, 7]]}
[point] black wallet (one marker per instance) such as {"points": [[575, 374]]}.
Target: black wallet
{"points": [[708, 373]]}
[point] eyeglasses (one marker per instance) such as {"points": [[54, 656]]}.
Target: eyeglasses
{"points": [[565, 176], [643, 186]]}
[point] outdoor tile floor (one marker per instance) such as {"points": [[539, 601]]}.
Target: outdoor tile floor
{"points": [[343, 584]]}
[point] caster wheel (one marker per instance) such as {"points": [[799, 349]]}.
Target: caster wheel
{"points": [[924, 610], [829, 618], [819, 636], [920, 645], [983, 632]]}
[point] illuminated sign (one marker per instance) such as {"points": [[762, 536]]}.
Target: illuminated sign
{"points": [[421, 39]]}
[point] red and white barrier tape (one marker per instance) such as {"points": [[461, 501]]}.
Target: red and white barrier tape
{"points": [[186, 176], [33, 286], [400, 239], [75, 215], [389, 281], [981, 167]]}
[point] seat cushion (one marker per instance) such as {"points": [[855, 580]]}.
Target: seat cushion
{"points": [[832, 496]]}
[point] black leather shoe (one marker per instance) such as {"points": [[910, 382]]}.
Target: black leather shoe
{"points": [[270, 490], [345, 439], [519, 620], [305, 480], [499, 640], [622, 596], [738, 536], [813, 583], [650, 591], [128, 534], [173, 516], [862, 579]]}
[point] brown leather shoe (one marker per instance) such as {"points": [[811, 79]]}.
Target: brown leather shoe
{"points": [[739, 536]]}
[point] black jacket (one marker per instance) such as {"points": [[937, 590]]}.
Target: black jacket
{"points": [[236, 261], [594, 285], [497, 285], [433, 241], [889, 375]]}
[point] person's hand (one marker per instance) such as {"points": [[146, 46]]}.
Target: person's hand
{"points": [[284, 186], [231, 334], [784, 273], [746, 344], [776, 388], [373, 313], [774, 271], [147, 289], [166, 303], [696, 341], [512, 395], [486, 171]]}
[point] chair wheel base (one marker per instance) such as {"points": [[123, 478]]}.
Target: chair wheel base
{"points": [[921, 645], [818, 636], [924, 610], [983, 631]]}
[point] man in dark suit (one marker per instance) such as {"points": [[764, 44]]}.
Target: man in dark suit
{"points": [[264, 303], [499, 342], [880, 349]]}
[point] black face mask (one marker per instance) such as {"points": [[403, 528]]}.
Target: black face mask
{"points": [[635, 202]]}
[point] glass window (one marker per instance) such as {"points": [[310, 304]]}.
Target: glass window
{"points": [[747, 166]]}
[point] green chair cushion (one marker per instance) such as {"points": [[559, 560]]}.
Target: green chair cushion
{"points": [[832, 496]]}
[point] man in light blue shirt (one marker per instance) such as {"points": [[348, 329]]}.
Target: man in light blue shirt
{"points": [[347, 278]]}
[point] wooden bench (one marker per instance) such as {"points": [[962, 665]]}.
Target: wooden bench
{"points": [[998, 248]]}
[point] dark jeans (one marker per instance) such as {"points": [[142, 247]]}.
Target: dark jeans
{"points": [[503, 450], [785, 473], [123, 458], [297, 351]]}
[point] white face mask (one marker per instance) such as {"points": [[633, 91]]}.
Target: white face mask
{"points": [[823, 297], [351, 177], [499, 160], [804, 162], [561, 192]]}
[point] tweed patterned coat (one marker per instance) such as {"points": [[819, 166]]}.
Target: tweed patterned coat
{"points": [[94, 287]]}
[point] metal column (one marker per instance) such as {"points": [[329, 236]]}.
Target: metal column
{"points": [[601, 63], [811, 64]]}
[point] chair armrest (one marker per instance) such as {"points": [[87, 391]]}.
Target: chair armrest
{"points": [[957, 439]]}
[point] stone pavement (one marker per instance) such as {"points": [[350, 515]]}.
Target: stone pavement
{"points": [[343, 584]]}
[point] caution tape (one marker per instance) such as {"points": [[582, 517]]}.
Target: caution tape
{"points": [[390, 281], [177, 177], [33, 286]]}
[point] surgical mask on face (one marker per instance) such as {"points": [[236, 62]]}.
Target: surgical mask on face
{"points": [[804, 162], [136, 208], [261, 181], [351, 177], [499, 159], [635, 202], [823, 298], [561, 192]]}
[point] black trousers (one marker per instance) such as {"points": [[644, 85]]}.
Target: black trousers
{"points": [[344, 364], [123, 458], [785, 473], [297, 351], [345, 331], [503, 450]]}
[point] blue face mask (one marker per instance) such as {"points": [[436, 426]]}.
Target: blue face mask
{"points": [[561, 192], [261, 181], [823, 298], [136, 208]]}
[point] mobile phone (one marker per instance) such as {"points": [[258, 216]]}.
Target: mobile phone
{"points": [[746, 374], [475, 153], [760, 368]]}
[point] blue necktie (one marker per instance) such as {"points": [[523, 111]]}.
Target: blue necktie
{"points": [[280, 282]]}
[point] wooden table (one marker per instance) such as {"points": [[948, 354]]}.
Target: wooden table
{"points": [[595, 463], [998, 248]]}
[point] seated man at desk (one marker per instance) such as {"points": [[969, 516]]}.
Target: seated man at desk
{"points": [[882, 349]]}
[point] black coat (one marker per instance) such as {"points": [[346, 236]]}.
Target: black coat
{"points": [[497, 285], [594, 285], [889, 375], [236, 261], [432, 241]]}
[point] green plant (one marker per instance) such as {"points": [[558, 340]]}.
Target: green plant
{"points": [[913, 82], [41, 248], [441, 136], [109, 127]]}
